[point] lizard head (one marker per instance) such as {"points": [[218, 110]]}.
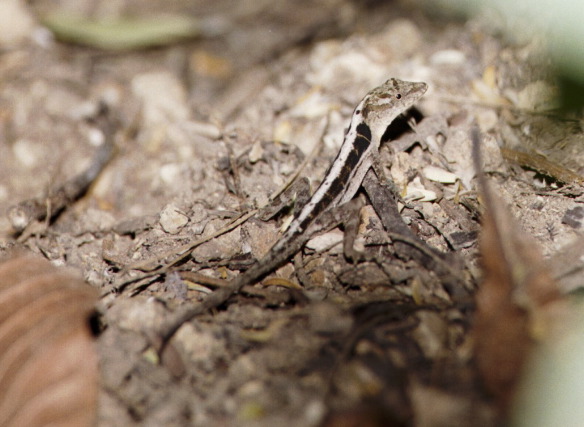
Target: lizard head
{"points": [[384, 103]]}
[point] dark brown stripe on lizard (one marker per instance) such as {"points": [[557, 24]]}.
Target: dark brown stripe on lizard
{"points": [[362, 142], [335, 189], [364, 131]]}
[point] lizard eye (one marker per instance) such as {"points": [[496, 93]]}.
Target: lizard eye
{"points": [[398, 96]]}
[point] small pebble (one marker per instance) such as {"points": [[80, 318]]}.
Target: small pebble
{"points": [[26, 152], [169, 173], [448, 57], [416, 191], [325, 241], [163, 97], [17, 23], [172, 220]]}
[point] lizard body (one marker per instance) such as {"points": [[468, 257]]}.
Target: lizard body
{"points": [[360, 146]]}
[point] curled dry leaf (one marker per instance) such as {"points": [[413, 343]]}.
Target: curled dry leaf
{"points": [[515, 303], [48, 366]]}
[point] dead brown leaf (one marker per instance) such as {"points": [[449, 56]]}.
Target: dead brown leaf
{"points": [[48, 366], [513, 303]]}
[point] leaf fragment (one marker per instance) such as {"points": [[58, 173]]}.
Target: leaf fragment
{"points": [[124, 33], [48, 365]]}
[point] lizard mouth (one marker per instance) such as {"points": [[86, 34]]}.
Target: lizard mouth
{"points": [[417, 90]]}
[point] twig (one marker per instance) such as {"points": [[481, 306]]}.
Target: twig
{"points": [[159, 265], [407, 243], [49, 207]]}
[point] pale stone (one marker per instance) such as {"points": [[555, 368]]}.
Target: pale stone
{"points": [[172, 220], [437, 174]]}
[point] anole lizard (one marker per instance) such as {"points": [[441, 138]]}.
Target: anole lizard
{"points": [[360, 147]]}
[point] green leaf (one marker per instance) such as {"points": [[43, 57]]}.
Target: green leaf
{"points": [[123, 33]]}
